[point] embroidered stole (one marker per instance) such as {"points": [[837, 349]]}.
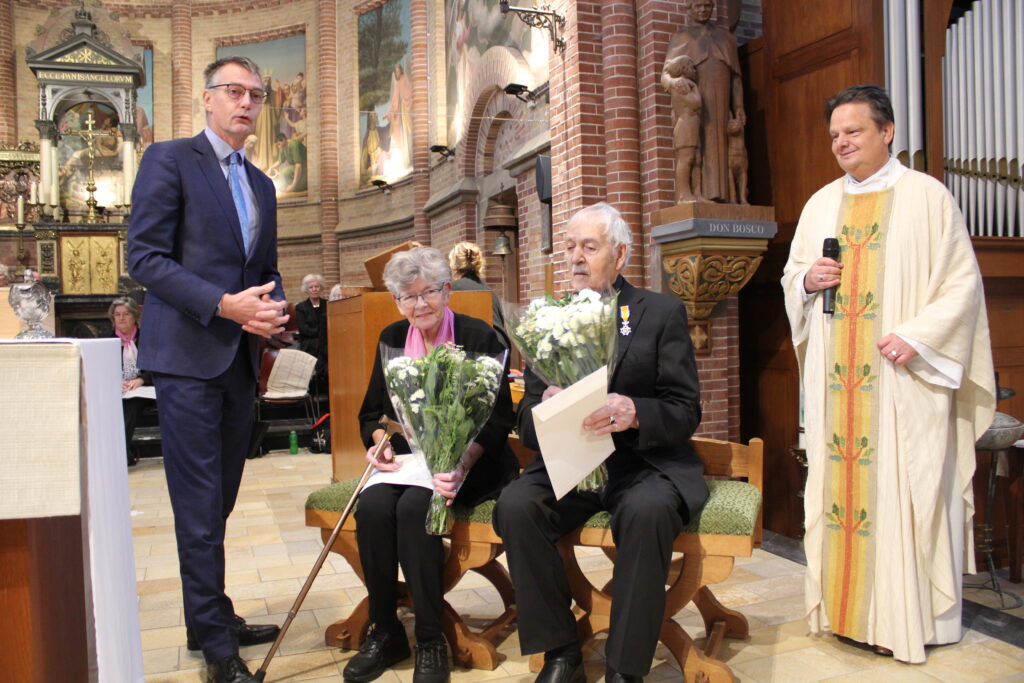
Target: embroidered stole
{"points": [[852, 409]]}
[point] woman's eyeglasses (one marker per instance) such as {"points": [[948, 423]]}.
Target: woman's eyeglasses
{"points": [[431, 296], [235, 92]]}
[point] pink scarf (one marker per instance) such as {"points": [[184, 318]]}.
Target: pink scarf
{"points": [[416, 346], [127, 341]]}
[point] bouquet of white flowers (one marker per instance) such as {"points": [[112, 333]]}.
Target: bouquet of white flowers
{"points": [[566, 339], [443, 401]]}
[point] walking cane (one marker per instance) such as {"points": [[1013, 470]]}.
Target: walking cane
{"points": [[390, 429]]}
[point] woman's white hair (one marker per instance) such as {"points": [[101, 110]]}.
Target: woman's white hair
{"points": [[310, 279], [405, 266], [616, 230]]}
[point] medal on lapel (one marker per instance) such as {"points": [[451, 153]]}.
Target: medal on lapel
{"points": [[624, 313]]}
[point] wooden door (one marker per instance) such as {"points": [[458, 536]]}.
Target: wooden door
{"points": [[811, 50]]}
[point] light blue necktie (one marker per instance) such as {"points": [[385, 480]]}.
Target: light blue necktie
{"points": [[234, 163]]}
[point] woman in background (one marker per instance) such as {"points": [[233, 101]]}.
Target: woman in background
{"points": [[467, 263], [311, 316], [124, 314]]}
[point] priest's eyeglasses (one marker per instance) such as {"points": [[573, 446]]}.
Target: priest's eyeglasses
{"points": [[431, 296], [235, 92]]}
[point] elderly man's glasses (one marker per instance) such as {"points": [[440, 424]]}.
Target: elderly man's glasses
{"points": [[235, 91], [431, 296]]}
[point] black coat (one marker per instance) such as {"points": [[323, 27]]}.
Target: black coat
{"points": [[498, 465], [312, 323], [656, 368]]}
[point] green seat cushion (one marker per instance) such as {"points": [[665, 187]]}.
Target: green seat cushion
{"points": [[335, 497], [731, 510]]}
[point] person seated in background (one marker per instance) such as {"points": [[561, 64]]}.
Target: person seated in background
{"points": [[124, 314], [335, 294], [392, 508], [468, 262], [311, 316]]}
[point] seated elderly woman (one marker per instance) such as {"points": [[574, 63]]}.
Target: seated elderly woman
{"points": [[311, 316], [124, 314], [392, 508]]}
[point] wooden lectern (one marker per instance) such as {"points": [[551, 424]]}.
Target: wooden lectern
{"points": [[353, 331]]}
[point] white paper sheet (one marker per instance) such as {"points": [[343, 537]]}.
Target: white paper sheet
{"points": [[570, 452], [141, 392]]}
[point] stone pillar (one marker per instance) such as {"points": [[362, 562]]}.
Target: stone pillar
{"points": [[327, 89], [8, 82], [621, 114], [420, 121], [181, 69]]}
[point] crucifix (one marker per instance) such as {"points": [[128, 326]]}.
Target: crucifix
{"points": [[89, 135]]}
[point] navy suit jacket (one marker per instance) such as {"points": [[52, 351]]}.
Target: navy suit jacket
{"points": [[656, 368], [185, 247]]}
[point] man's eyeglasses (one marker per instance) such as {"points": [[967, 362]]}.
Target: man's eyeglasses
{"points": [[431, 296], [235, 92]]}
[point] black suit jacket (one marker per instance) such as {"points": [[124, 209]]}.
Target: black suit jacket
{"points": [[185, 247], [498, 465], [656, 368]]}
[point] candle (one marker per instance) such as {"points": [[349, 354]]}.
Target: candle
{"points": [[21, 209], [32, 193]]}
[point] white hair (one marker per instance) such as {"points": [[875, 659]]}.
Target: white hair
{"points": [[405, 266], [616, 230], [310, 279]]}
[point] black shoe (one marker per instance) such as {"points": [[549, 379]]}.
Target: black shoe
{"points": [[613, 676], [431, 662], [564, 669], [248, 634], [228, 670], [379, 652]]}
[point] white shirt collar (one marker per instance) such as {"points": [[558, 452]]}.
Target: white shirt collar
{"points": [[221, 147], [882, 179]]}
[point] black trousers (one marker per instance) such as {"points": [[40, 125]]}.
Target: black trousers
{"points": [[645, 522], [132, 408], [390, 530]]}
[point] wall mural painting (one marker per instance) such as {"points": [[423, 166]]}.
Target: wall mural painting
{"points": [[144, 105], [74, 151], [385, 93], [278, 147], [472, 29]]}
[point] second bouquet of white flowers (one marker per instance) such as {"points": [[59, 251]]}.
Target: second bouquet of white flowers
{"points": [[566, 339], [443, 401]]}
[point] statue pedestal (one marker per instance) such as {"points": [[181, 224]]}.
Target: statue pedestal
{"points": [[708, 253]]}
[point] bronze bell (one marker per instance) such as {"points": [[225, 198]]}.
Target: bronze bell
{"points": [[502, 245]]}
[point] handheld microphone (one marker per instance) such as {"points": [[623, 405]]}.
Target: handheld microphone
{"points": [[830, 249]]}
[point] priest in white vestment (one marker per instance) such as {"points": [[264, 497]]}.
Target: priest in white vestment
{"points": [[898, 385]]}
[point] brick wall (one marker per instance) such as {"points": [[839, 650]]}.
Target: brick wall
{"points": [[8, 105]]}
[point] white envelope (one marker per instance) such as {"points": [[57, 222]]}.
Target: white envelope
{"points": [[570, 452]]}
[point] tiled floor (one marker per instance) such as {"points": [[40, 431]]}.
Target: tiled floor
{"points": [[270, 552]]}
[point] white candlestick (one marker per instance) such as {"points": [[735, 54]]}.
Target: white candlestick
{"points": [[32, 193], [21, 209]]}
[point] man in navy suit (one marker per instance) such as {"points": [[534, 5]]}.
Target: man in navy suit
{"points": [[203, 241], [655, 479]]}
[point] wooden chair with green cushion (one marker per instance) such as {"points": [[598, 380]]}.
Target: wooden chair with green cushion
{"points": [[729, 526], [473, 546]]}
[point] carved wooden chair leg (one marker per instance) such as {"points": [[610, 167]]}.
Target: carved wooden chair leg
{"points": [[733, 623], [695, 665], [349, 632], [469, 650], [496, 573]]}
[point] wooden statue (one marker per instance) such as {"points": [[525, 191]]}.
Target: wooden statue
{"points": [[679, 78], [712, 50]]}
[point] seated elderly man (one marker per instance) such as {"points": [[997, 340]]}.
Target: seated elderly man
{"points": [[655, 479]]}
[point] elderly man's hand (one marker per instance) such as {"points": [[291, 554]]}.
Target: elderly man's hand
{"points": [[616, 415]]}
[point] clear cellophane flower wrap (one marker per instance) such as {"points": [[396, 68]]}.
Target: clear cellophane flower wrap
{"points": [[564, 340], [443, 401]]}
